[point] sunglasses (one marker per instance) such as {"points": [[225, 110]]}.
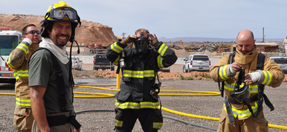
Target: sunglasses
{"points": [[33, 32]]}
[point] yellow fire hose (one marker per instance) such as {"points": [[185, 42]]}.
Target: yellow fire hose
{"points": [[203, 93]]}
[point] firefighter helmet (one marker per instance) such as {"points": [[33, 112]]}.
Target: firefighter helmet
{"points": [[60, 12]]}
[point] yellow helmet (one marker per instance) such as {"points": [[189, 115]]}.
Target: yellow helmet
{"points": [[60, 12]]}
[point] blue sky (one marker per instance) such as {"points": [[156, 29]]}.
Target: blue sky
{"points": [[173, 18]]}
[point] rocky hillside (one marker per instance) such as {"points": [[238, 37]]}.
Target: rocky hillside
{"points": [[88, 33]]}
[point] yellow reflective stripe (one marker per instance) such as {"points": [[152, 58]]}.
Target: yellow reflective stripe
{"points": [[223, 73], [162, 49], [118, 123], [9, 64], [135, 105], [159, 62], [148, 73], [157, 125], [115, 47], [23, 47], [253, 88], [230, 87], [267, 77], [138, 74], [21, 73], [243, 113], [116, 62], [23, 102]]}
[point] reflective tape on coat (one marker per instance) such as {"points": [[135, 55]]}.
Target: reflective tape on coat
{"points": [[115, 47], [135, 105], [223, 72], [230, 87], [267, 77], [243, 113], [138, 74], [162, 49]]}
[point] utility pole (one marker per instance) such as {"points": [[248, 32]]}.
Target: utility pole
{"points": [[263, 35], [123, 34]]}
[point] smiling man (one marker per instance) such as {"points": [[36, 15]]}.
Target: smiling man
{"points": [[51, 85]]}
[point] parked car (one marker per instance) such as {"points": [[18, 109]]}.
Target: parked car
{"points": [[281, 61], [102, 62], [76, 63], [196, 62]]}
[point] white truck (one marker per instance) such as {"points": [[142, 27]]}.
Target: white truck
{"points": [[9, 40]]}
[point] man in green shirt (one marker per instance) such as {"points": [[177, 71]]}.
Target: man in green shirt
{"points": [[51, 83]]}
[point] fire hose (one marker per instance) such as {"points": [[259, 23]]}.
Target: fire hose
{"points": [[198, 93]]}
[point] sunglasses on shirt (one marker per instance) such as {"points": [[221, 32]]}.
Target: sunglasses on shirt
{"points": [[33, 32]]}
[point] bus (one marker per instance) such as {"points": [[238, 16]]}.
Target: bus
{"points": [[9, 40]]}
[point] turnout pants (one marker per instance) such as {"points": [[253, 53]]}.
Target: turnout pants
{"points": [[250, 124], [151, 120], [23, 119]]}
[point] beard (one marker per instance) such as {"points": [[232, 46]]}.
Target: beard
{"points": [[62, 44]]}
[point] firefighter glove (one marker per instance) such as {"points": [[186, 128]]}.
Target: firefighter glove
{"points": [[27, 41], [154, 41], [256, 76], [127, 40], [230, 71]]}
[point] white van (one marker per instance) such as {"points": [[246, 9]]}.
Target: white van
{"points": [[196, 62], [281, 61]]}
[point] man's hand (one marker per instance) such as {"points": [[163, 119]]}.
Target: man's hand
{"points": [[247, 79], [128, 39], [254, 76], [235, 66], [76, 130]]}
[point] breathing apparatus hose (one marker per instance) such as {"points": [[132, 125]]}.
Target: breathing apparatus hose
{"points": [[105, 95]]}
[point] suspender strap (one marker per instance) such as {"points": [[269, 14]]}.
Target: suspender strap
{"points": [[221, 88], [229, 111], [60, 84]]}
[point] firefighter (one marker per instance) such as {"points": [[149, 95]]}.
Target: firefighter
{"points": [[242, 110], [137, 98], [51, 81], [18, 61]]}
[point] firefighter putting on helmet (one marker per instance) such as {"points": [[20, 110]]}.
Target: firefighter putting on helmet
{"points": [[243, 75], [138, 96]]}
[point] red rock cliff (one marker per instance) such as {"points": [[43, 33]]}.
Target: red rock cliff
{"points": [[88, 33]]}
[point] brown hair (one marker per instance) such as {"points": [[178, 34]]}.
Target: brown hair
{"points": [[24, 30], [142, 30]]}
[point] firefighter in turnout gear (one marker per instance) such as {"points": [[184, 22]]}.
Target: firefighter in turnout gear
{"points": [[138, 95], [244, 112], [18, 61]]}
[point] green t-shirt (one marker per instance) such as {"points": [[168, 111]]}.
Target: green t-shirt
{"points": [[42, 72]]}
